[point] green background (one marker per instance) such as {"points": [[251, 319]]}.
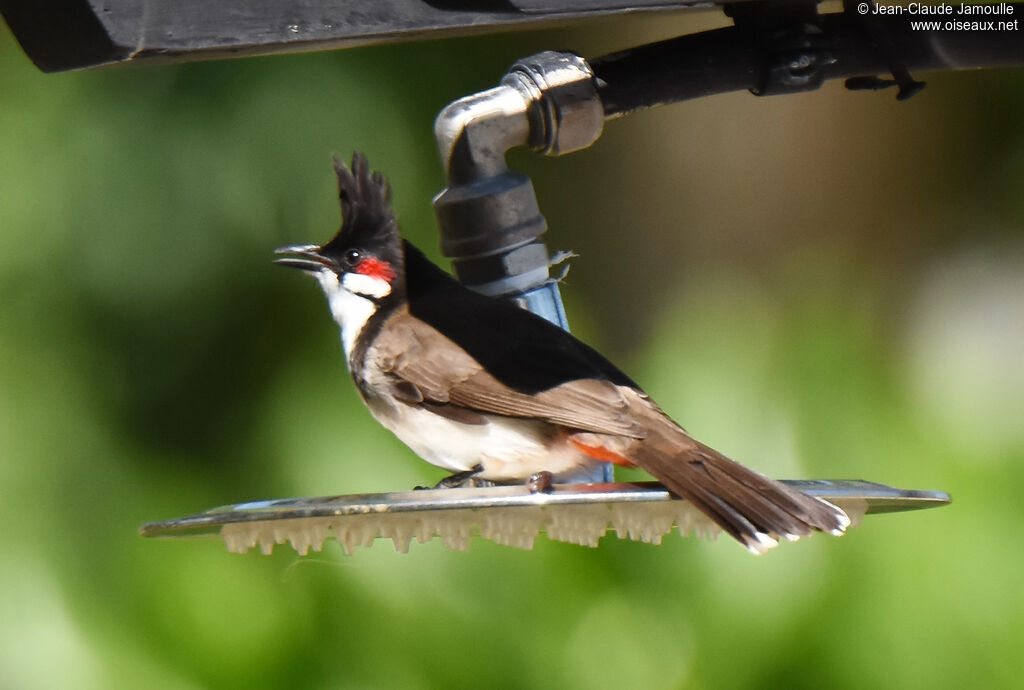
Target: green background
{"points": [[823, 285]]}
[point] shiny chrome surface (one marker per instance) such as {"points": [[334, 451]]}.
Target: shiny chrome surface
{"points": [[878, 498]]}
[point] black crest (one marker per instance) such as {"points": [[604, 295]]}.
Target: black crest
{"points": [[367, 221]]}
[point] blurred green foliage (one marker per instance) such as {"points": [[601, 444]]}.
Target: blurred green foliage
{"points": [[826, 285]]}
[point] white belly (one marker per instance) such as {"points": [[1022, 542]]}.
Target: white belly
{"points": [[506, 448]]}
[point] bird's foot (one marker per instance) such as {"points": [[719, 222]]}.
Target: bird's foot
{"points": [[465, 479]]}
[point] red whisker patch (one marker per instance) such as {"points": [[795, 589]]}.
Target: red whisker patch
{"points": [[375, 268]]}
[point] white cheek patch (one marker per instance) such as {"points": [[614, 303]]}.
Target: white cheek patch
{"points": [[366, 285]]}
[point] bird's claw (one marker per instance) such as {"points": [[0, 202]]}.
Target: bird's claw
{"points": [[466, 478]]}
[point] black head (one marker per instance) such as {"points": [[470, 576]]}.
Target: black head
{"points": [[368, 242]]}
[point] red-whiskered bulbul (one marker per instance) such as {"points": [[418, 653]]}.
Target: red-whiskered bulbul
{"points": [[475, 384]]}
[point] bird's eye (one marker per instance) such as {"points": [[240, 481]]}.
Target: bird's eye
{"points": [[353, 256]]}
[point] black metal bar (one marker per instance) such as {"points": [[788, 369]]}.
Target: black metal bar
{"points": [[733, 58], [61, 35]]}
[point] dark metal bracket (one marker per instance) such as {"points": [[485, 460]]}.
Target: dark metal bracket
{"points": [[60, 35], [908, 86], [790, 43]]}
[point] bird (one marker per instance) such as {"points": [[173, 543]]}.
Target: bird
{"points": [[482, 388]]}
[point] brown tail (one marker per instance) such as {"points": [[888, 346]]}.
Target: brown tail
{"points": [[756, 510]]}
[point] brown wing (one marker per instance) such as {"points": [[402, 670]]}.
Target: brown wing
{"points": [[443, 374]]}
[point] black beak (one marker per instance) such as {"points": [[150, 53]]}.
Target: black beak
{"points": [[305, 257]]}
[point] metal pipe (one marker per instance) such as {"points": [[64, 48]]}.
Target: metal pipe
{"points": [[489, 218], [737, 58]]}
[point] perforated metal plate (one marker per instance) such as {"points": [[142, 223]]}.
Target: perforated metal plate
{"points": [[512, 515]]}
